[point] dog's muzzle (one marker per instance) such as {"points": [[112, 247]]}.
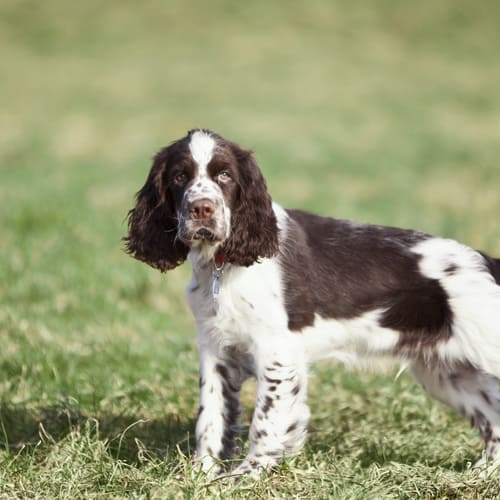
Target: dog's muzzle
{"points": [[202, 221]]}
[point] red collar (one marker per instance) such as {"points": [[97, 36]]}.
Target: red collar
{"points": [[219, 258]]}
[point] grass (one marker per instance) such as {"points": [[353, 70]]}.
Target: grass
{"points": [[385, 112]]}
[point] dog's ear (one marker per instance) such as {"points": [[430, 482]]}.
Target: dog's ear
{"points": [[152, 223], [254, 230]]}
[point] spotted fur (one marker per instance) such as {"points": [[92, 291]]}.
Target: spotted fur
{"points": [[273, 290]]}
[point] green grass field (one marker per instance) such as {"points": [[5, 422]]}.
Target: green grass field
{"points": [[387, 112]]}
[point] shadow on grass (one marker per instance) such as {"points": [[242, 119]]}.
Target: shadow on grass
{"points": [[23, 429], [393, 448], [127, 436]]}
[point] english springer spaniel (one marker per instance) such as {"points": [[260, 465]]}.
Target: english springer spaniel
{"points": [[275, 289]]}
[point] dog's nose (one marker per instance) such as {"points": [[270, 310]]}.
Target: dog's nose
{"points": [[202, 209]]}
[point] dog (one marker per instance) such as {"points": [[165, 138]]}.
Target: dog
{"points": [[274, 289]]}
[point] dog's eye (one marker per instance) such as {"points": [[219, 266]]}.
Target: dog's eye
{"points": [[181, 178], [224, 176]]}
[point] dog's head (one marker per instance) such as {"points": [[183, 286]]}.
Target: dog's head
{"points": [[207, 193]]}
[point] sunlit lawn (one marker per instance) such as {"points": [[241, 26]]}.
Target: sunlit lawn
{"points": [[387, 112]]}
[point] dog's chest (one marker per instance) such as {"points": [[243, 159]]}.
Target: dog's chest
{"points": [[238, 304]]}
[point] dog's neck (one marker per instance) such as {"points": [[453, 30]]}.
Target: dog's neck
{"points": [[205, 257]]}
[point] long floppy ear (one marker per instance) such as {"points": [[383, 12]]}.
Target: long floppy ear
{"points": [[152, 223], [254, 230]]}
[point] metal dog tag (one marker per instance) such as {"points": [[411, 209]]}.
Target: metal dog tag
{"points": [[216, 284]]}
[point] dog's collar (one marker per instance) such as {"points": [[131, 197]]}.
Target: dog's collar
{"points": [[219, 259]]}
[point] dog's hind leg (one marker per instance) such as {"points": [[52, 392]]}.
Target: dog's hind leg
{"points": [[473, 394]]}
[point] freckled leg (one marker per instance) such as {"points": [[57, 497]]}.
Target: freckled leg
{"points": [[279, 423], [473, 394], [220, 384]]}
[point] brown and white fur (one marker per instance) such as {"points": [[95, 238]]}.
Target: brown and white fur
{"points": [[273, 290]]}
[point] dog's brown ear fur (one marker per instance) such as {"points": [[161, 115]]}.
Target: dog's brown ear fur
{"points": [[152, 223], [254, 229]]}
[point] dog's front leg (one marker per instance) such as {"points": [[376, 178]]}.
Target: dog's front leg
{"points": [[220, 384], [279, 423]]}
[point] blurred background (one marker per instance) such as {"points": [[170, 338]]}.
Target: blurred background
{"points": [[386, 112]]}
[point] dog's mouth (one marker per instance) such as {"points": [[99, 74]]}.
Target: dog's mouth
{"points": [[197, 236], [204, 234]]}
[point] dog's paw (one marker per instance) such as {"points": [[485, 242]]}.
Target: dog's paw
{"points": [[486, 467], [208, 466], [246, 471], [251, 469]]}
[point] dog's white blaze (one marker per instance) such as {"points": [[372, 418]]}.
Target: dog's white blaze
{"points": [[202, 147]]}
